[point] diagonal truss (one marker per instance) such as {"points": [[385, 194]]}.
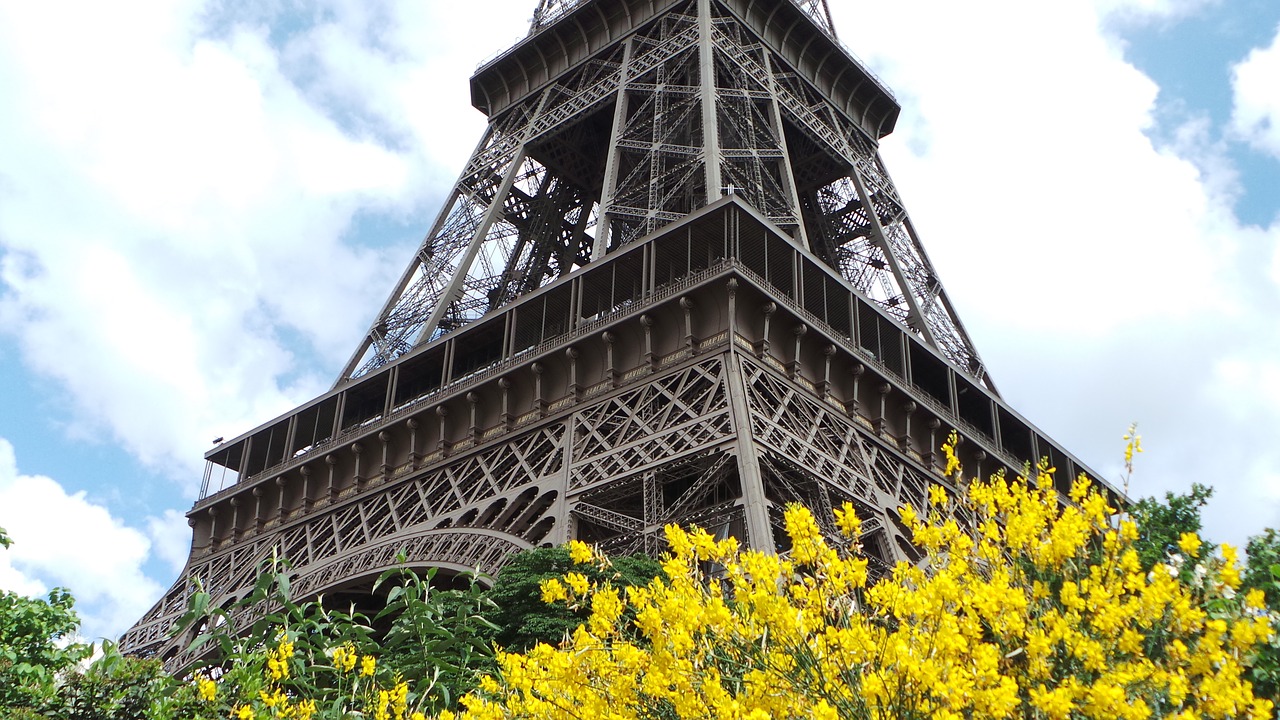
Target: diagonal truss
{"points": [[691, 105]]}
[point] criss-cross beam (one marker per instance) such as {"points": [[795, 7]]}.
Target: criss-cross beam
{"points": [[672, 106]]}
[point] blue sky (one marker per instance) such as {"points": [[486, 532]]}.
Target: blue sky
{"points": [[203, 204]]}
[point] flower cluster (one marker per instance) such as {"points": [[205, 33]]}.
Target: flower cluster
{"points": [[1021, 606], [277, 683]]}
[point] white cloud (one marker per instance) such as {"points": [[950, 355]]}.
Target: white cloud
{"points": [[170, 537], [1102, 277], [1148, 11], [1256, 115], [172, 208], [69, 541]]}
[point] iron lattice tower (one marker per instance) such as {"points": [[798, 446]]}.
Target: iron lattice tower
{"points": [[673, 284]]}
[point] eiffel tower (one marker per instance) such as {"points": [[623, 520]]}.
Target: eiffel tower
{"points": [[673, 284]]}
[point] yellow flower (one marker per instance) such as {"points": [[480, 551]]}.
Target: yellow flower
{"points": [[553, 591], [206, 688], [580, 552], [277, 669], [273, 699], [244, 712], [1020, 605], [400, 699], [381, 711], [847, 520], [1230, 571], [367, 665], [937, 495], [1189, 544], [577, 583], [908, 515], [344, 658]]}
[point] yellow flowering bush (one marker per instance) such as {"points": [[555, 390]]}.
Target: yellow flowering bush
{"points": [[306, 661], [1028, 607], [258, 686]]}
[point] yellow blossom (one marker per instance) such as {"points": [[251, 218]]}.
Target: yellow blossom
{"points": [[847, 520], [1189, 543], [553, 591], [207, 689], [344, 658], [1022, 606], [580, 552]]}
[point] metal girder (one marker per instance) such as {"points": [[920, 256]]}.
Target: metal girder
{"points": [[688, 107]]}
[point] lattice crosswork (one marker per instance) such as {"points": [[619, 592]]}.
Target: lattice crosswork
{"points": [[816, 455], [817, 438], [658, 168], [629, 514], [622, 144], [507, 491], [877, 251], [691, 106], [674, 414]]}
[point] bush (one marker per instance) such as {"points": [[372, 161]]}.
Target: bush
{"points": [[1024, 608]]}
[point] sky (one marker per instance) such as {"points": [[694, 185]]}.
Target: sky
{"points": [[203, 205]]}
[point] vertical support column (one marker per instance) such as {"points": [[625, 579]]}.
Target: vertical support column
{"points": [[793, 367], [473, 430], [539, 404], [575, 390], [762, 347], [442, 440], [332, 462], [650, 359], [357, 479], [414, 456], [853, 405], [565, 528], [307, 500], [824, 390], [506, 418], [610, 374], [652, 512], [280, 498], [610, 185], [690, 343], [754, 503], [710, 119], [385, 469]]}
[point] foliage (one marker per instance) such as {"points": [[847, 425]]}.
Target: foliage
{"points": [[1262, 573], [119, 687], [307, 660], [1024, 608], [437, 639], [1164, 525], [521, 616], [1161, 525], [36, 646]]}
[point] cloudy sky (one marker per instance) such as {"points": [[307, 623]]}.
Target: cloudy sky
{"points": [[202, 205]]}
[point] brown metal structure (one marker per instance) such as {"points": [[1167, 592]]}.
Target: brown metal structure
{"points": [[674, 284]]}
